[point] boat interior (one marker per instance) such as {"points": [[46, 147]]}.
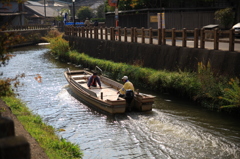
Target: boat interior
{"points": [[108, 91]]}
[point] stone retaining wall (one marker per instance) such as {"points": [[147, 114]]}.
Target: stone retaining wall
{"points": [[12, 146], [161, 57]]}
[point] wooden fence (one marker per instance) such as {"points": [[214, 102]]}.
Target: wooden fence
{"points": [[27, 27], [158, 36]]}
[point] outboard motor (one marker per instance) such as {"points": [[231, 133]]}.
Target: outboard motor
{"points": [[129, 97]]}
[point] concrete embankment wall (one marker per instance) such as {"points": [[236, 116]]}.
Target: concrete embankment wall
{"points": [[166, 57]]}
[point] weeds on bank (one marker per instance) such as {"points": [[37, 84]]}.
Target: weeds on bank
{"points": [[231, 94], [58, 45], [6, 84], [54, 147], [202, 86]]}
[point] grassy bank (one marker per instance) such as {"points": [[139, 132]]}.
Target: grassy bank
{"points": [[54, 147], [212, 91]]}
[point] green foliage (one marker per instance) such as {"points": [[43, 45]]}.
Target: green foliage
{"points": [[54, 147], [108, 8], [100, 11], [174, 82], [225, 17], [98, 19], [231, 94], [58, 45], [7, 85], [84, 12], [59, 18], [7, 40], [140, 4], [53, 34]]}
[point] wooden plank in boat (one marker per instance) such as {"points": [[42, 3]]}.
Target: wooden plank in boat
{"points": [[81, 81], [108, 92], [80, 76]]}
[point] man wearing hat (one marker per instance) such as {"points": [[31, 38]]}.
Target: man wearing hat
{"points": [[127, 86]]}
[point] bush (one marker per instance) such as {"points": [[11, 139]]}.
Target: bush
{"points": [[225, 17]]}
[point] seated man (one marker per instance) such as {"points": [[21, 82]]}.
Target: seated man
{"points": [[93, 80]]}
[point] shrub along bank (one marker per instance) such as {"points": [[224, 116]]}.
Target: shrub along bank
{"points": [[54, 147], [215, 92]]}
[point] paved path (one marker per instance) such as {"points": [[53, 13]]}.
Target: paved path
{"points": [[190, 44]]}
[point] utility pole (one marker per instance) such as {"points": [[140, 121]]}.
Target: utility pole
{"points": [[116, 14], [73, 1]]}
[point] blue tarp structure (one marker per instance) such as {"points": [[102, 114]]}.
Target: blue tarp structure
{"points": [[76, 23]]}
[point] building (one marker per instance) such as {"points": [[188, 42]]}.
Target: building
{"points": [[38, 13], [12, 13]]}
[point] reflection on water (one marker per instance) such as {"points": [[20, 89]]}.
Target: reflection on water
{"points": [[174, 129]]}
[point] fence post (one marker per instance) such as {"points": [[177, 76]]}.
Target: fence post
{"points": [[91, 33], [150, 36], [110, 31], [119, 34], [106, 33], [196, 38], [143, 35], [216, 39], [159, 36], [125, 34], [184, 37], [101, 32], [78, 31], [163, 37], [83, 32], [202, 39], [113, 33], [231, 40], [95, 33], [72, 31], [132, 34], [135, 35], [87, 32], [173, 37]]}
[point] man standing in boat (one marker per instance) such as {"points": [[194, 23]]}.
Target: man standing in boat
{"points": [[127, 86], [93, 80], [127, 91]]}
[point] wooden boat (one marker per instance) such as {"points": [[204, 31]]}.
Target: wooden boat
{"points": [[105, 99]]}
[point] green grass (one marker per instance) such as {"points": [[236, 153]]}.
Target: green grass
{"points": [[54, 147]]}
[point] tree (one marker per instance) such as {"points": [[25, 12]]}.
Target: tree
{"points": [[84, 12], [100, 11], [7, 40], [225, 17]]}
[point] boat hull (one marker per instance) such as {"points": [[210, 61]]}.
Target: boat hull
{"points": [[107, 106], [111, 104]]}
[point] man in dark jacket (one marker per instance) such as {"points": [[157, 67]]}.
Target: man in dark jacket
{"points": [[93, 80]]}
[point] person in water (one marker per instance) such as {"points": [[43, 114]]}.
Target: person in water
{"points": [[93, 81]]}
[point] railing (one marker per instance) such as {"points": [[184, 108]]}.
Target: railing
{"points": [[27, 27], [199, 37]]}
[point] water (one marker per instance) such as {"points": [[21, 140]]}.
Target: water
{"points": [[175, 129]]}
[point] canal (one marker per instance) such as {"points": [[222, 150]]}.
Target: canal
{"points": [[174, 129]]}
